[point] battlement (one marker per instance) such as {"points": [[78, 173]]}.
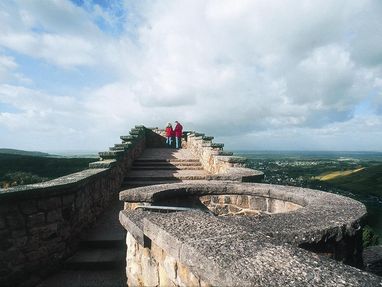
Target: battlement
{"points": [[221, 227], [256, 235], [40, 224]]}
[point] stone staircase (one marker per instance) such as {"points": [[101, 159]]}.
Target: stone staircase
{"points": [[100, 259], [164, 165]]}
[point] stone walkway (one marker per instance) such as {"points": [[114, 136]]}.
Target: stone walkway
{"points": [[100, 260], [169, 154], [164, 165]]}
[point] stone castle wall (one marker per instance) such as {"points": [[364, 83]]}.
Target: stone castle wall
{"points": [[40, 223], [222, 165], [152, 266]]}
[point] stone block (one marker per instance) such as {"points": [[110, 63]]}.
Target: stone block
{"points": [[258, 203], [170, 266], [162, 238], [185, 277], [49, 203], [15, 221], [205, 199], [18, 233], [68, 200], [2, 222], [276, 206], [157, 253], [242, 201], [20, 241], [204, 284], [36, 219], [250, 212], [44, 232], [28, 207], [290, 206], [233, 208], [150, 270], [221, 209], [37, 254], [5, 241], [215, 199], [53, 216], [164, 280], [6, 208]]}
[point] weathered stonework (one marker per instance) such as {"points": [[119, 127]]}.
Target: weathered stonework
{"points": [[255, 239], [218, 163], [154, 267], [40, 223], [258, 249]]}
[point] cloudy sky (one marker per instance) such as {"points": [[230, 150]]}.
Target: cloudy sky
{"points": [[262, 75]]}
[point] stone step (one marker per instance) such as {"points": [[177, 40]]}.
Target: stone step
{"points": [[165, 178], [107, 231], [217, 145], [111, 154], [89, 278], [165, 163], [225, 153], [96, 259], [164, 160], [138, 183], [166, 175], [166, 167]]}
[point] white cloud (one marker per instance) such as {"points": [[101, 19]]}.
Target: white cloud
{"points": [[291, 68], [56, 31], [7, 64]]}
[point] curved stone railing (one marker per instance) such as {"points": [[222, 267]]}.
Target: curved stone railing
{"points": [[40, 223], [262, 249]]}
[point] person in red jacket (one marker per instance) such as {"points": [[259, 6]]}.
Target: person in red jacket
{"points": [[178, 134], [169, 134]]}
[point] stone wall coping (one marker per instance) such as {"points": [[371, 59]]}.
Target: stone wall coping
{"points": [[107, 163], [228, 166], [53, 187], [334, 216], [224, 254], [231, 159], [239, 174], [133, 221]]}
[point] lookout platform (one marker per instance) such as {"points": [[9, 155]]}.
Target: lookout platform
{"points": [[100, 258], [105, 226]]}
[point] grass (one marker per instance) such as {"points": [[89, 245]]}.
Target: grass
{"points": [[363, 181], [335, 174]]}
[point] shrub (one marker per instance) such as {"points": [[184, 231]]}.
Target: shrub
{"points": [[369, 238]]}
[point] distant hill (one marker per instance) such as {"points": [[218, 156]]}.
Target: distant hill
{"points": [[22, 152], [367, 181], [16, 169]]}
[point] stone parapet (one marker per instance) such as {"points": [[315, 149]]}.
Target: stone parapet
{"points": [[40, 223], [221, 165], [281, 245]]}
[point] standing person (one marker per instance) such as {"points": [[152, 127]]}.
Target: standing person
{"points": [[178, 134], [169, 134]]}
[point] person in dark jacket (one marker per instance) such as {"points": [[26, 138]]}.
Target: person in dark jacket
{"points": [[169, 134], [178, 134]]}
